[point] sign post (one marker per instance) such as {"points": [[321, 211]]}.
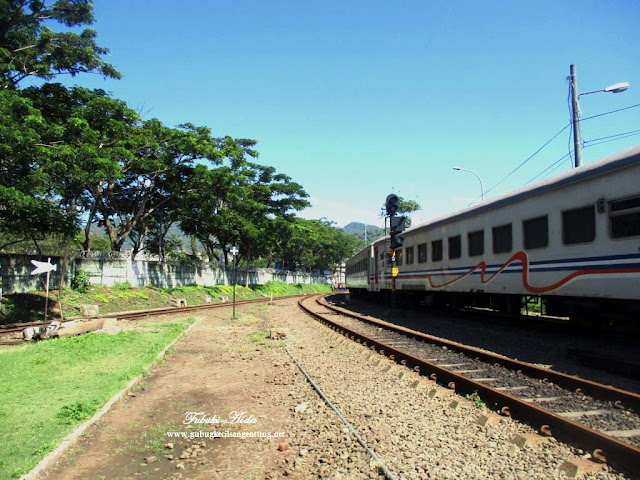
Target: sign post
{"points": [[44, 267], [234, 251]]}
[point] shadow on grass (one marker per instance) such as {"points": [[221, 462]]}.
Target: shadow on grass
{"points": [[25, 307]]}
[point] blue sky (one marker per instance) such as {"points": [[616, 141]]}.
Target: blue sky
{"points": [[356, 99]]}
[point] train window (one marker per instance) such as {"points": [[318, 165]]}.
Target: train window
{"points": [[409, 255], [624, 217], [476, 243], [436, 250], [422, 253], [536, 232], [579, 225], [455, 246], [502, 238], [399, 257]]}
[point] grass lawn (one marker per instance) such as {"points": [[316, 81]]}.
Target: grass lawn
{"points": [[52, 386], [29, 307]]}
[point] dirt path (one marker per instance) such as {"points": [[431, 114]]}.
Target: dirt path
{"points": [[219, 367]]}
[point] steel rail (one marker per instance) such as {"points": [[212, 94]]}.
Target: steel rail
{"points": [[588, 387], [133, 315], [191, 308], [619, 454]]}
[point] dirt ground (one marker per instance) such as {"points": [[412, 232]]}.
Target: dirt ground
{"points": [[219, 367]]}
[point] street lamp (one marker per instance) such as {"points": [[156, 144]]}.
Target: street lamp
{"points": [[471, 171], [575, 107]]}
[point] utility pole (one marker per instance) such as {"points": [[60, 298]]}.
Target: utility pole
{"points": [[575, 110]]}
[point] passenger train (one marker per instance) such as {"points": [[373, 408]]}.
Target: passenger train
{"points": [[573, 240]]}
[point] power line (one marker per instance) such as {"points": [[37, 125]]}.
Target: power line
{"points": [[622, 135], [525, 161], [588, 143], [569, 125], [554, 164], [609, 113], [614, 139]]}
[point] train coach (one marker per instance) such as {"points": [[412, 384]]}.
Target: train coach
{"points": [[572, 240]]}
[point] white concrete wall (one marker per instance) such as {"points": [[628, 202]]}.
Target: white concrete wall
{"points": [[15, 271]]}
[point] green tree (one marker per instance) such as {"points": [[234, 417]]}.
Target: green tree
{"points": [[237, 204], [28, 209], [29, 48], [317, 245]]}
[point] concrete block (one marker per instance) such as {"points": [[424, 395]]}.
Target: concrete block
{"points": [[421, 384], [177, 302], [459, 404], [489, 419], [440, 393], [89, 310], [579, 467], [526, 439]]}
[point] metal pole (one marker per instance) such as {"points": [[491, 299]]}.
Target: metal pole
{"points": [[46, 298], [235, 280], [575, 107]]}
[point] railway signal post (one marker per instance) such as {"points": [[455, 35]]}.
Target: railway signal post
{"points": [[396, 226]]}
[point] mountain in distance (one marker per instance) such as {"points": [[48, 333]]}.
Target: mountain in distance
{"points": [[358, 229]]}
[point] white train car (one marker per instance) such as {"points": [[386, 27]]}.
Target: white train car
{"points": [[573, 239]]}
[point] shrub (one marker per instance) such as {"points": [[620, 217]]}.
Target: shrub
{"points": [[81, 281], [122, 286]]}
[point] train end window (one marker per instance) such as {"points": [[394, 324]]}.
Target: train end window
{"points": [[476, 243], [502, 238], [536, 232], [436, 250], [624, 217], [455, 247], [579, 225], [422, 253], [399, 257]]}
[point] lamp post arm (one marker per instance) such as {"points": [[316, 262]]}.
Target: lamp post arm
{"points": [[477, 176]]}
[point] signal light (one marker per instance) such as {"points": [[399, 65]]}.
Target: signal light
{"points": [[392, 203], [396, 241]]}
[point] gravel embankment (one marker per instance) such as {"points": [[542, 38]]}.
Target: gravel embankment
{"points": [[557, 399], [548, 348], [417, 437]]}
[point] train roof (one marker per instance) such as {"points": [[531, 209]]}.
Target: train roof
{"points": [[614, 162]]}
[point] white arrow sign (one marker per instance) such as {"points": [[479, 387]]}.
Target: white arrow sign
{"points": [[43, 267]]}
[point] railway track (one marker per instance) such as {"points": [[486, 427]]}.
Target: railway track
{"points": [[591, 416], [136, 315]]}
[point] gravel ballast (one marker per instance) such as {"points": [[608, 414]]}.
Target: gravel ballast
{"points": [[415, 435]]}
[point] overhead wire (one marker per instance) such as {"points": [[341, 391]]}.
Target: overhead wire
{"points": [[609, 113], [622, 135], [523, 162], [554, 164], [586, 144]]}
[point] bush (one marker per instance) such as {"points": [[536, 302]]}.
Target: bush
{"points": [[81, 282], [122, 286]]}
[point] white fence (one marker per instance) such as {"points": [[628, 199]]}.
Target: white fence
{"points": [[15, 271]]}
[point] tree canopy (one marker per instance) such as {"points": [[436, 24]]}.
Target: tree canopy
{"points": [[30, 48], [73, 158]]}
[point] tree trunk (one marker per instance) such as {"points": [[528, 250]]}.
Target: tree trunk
{"points": [[246, 279], [63, 271]]}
